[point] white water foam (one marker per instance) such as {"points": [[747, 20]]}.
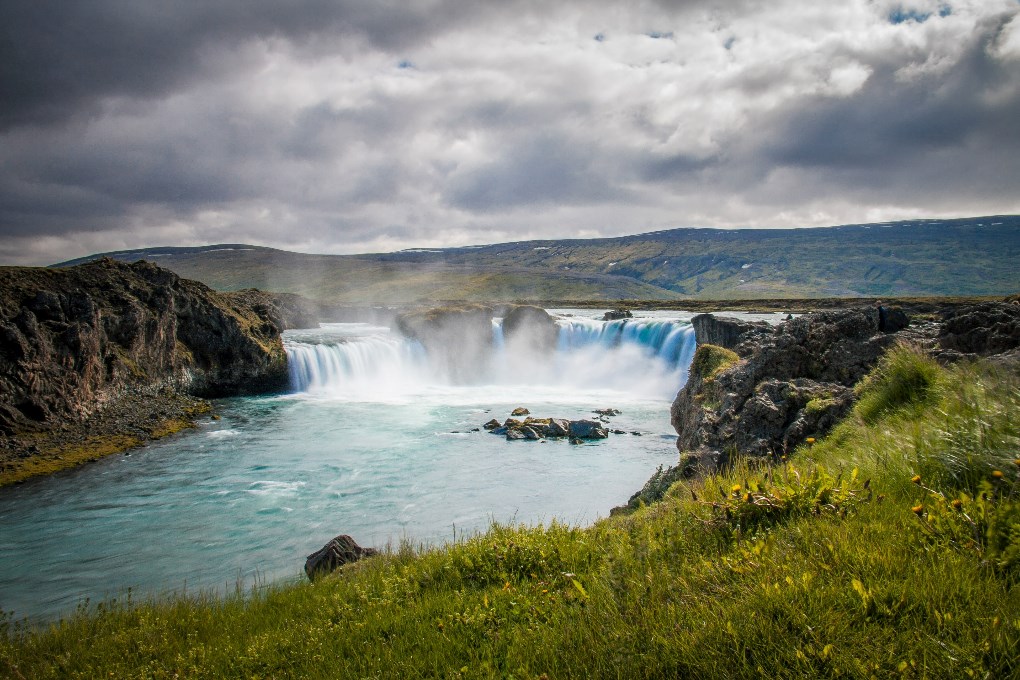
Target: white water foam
{"points": [[642, 358]]}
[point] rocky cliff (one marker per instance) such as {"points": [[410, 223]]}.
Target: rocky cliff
{"points": [[99, 337], [783, 384], [759, 391]]}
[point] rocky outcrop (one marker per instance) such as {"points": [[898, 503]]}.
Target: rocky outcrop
{"points": [[285, 310], [458, 339], [983, 329], [75, 341], [727, 332], [335, 554], [617, 314], [535, 429], [530, 330], [786, 385]]}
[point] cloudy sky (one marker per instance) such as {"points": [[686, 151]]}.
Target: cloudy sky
{"points": [[354, 125]]}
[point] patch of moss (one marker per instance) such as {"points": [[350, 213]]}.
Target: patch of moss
{"points": [[710, 360], [819, 404], [66, 456]]}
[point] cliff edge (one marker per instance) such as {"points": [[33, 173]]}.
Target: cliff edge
{"points": [[102, 356]]}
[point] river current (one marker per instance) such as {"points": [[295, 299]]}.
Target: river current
{"points": [[370, 441]]}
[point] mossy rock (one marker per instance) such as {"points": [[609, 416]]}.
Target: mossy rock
{"points": [[710, 360]]}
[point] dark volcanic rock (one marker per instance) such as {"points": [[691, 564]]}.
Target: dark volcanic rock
{"points": [[727, 332], [587, 429], [73, 341], [617, 314], [984, 329], [788, 385], [338, 552]]}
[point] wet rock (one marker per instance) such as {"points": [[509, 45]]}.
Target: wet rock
{"points": [[617, 314], [338, 552], [512, 423], [515, 435], [558, 427], [530, 433], [73, 341], [587, 429], [492, 424], [607, 412], [520, 411]]}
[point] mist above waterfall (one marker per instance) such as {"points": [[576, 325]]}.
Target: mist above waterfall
{"points": [[643, 358]]}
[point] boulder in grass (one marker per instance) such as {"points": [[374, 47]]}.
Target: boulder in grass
{"points": [[338, 552]]}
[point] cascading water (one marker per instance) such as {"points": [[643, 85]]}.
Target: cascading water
{"points": [[644, 357]]}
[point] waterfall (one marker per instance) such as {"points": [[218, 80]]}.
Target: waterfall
{"points": [[644, 356], [670, 341]]}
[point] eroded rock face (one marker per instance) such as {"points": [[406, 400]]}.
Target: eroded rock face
{"points": [[74, 340], [458, 339], [727, 332], [335, 554], [788, 384]]}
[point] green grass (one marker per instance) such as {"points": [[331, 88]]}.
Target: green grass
{"points": [[825, 566]]}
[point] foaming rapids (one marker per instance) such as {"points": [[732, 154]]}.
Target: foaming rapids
{"points": [[642, 357]]}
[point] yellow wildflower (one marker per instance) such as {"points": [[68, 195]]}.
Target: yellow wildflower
{"points": [[810, 440], [916, 479], [997, 474], [736, 488], [917, 509], [957, 504]]}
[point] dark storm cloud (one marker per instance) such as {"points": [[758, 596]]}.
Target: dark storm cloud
{"points": [[57, 59], [353, 126]]}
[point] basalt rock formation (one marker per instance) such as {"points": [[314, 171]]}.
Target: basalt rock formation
{"points": [[779, 387], [760, 391], [79, 341]]}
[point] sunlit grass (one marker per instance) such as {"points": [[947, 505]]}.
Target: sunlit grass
{"points": [[816, 568]]}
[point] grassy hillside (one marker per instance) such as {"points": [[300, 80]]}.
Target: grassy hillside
{"points": [[890, 549], [974, 256]]}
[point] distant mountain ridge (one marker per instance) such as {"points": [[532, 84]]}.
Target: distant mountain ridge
{"points": [[967, 256]]}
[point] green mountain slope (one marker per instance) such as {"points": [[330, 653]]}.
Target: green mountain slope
{"points": [[974, 256]]}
